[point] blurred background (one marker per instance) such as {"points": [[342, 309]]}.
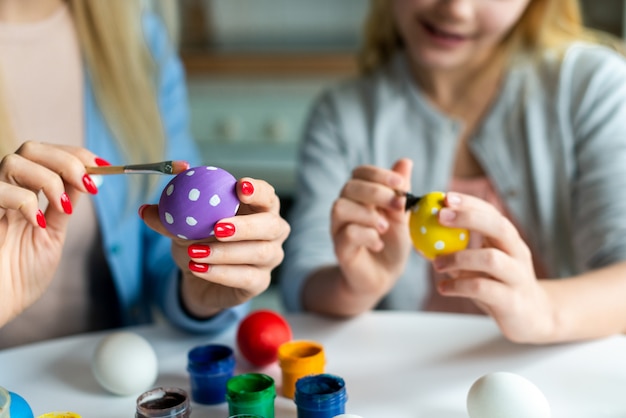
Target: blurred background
{"points": [[254, 67]]}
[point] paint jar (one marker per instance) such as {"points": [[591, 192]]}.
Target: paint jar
{"points": [[210, 366], [5, 403], [251, 393], [163, 402], [298, 359], [245, 416], [19, 407], [320, 396]]}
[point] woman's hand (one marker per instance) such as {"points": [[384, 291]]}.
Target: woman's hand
{"points": [[499, 277], [31, 240], [369, 226], [236, 264]]}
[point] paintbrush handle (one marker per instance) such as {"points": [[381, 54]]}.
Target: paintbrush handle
{"points": [[163, 167], [411, 199]]}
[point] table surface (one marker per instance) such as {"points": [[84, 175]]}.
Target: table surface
{"points": [[395, 364]]}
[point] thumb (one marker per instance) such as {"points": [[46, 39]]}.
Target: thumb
{"points": [[404, 167]]}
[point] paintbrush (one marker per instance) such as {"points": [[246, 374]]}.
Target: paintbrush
{"points": [[163, 167], [411, 199]]}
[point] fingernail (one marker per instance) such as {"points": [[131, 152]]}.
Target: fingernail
{"points": [[447, 215], [41, 220], [383, 225], [101, 162], [89, 184], [198, 251], [247, 188], [65, 202], [141, 209], [224, 229], [453, 199], [198, 267]]}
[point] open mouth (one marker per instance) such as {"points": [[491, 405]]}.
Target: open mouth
{"points": [[442, 34]]}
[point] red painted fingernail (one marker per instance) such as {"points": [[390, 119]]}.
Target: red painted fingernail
{"points": [[198, 267], [224, 229], [198, 251], [41, 220], [141, 209], [101, 162], [89, 184], [65, 202], [247, 188]]}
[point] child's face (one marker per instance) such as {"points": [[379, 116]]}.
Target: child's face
{"points": [[452, 34]]}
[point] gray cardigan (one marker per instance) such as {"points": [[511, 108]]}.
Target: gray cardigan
{"points": [[553, 143]]}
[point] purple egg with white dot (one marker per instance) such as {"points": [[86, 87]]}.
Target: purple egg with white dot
{"points": [[196, 199]]}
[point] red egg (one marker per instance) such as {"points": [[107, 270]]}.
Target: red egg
{"points": [[259, 336]]}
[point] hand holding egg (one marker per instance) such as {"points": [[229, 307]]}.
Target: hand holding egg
{"points": [[428, 236]]}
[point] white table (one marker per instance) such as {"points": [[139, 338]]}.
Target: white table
{"points": [[396, 365]]}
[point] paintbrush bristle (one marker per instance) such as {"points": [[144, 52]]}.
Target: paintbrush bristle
{"points": [[179, 166]]}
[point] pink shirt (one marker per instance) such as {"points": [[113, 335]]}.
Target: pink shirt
{"points": [[42, 74]]}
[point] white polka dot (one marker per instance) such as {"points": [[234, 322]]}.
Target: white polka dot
{"points": [[434, 211], [169, 190], [191, 221], [181, 236], [440, 245], [190, 173], [462, 236], [194, 194], [169, 218], [215, 200], [210, 167], [423, 230]]}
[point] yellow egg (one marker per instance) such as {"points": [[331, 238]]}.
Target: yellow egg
{"points": [[428, 236]]}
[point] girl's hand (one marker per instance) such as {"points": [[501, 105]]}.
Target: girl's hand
{"points": [[369, 226], [236, 264], [499, 277], [31, 240]]}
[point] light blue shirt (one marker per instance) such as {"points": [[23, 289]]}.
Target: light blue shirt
{"points": [[553, 144], [140, 260]]}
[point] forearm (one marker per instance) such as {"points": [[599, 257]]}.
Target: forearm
{"points": [[590, 305], [326, 292]]}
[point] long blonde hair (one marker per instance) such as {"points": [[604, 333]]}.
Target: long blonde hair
{"points": [[123, 75], [544, 24]]}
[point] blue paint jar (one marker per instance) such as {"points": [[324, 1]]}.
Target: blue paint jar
{"points": [[320, 396], [210, 366]]}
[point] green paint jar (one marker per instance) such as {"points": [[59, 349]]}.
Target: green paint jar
{"points": [[251, 393]]}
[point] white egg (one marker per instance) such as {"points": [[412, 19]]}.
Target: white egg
{"points": [[125, 363], [506, 395]]}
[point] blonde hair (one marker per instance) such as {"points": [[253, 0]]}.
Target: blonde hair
{"points": [[123, 76], [544, 24]]}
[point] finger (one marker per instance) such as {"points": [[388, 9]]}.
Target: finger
{"points": [[464, 211], [22, 200], [372, 194], [33, 178], [67, 162], [489, 262], [354, 238], [345, 211], [247, 278], [259, 195], [253, 253], [265, 226], [482, 290]]}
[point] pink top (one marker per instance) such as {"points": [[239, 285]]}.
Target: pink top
{"points": [[42, 75], [482, 188]]}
